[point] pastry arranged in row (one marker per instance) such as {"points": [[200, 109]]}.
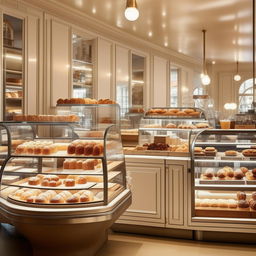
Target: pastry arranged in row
{"points": [[87, 148], [89, 164], [46, 118], [180, 126], [14, 94], [208, 151], [164, 147], [85, 101], [225, 173], [56, 181], [52, 197], [241, 202], [173, 112], [40, 148]]}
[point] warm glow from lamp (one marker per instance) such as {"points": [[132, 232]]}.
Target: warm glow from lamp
{"points": [[205, 79], [237, 77], [131, 12]]}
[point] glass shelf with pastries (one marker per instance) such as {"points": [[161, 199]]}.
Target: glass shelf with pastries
{"points": [[167, 131], [93, 114], [224, 175], [49, 165]]}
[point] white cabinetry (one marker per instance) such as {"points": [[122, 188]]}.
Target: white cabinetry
{"points": [[148, 197], [175, 195]]}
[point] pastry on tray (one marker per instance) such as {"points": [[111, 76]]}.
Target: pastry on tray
{"points": [[231, 153], [249, 152]]}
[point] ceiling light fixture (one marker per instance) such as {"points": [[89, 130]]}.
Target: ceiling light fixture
{"points": [[237, 77], [131, 11], [205, 79]]}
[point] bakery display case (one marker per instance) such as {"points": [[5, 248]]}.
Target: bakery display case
{"points": [[93, 114], [59, 175], [224, 175], [13, 52], [167, 131]]}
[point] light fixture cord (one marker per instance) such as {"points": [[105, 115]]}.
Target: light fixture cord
{"points": [[237, 67], [204, 61]]}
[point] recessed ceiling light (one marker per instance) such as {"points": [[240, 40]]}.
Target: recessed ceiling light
{"points": [[180, 50], [165, 44], [163, 13], [94, 10], [163, 25], [134, 28], [150, 33], [213, 62]]}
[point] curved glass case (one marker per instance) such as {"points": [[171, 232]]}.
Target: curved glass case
{"points": [[170, 128], [224, 175], [61, 164]]}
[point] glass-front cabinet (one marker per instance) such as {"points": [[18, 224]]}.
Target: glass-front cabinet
{"points": [[224, 175], [13, 66], [82, 66], [60, 164]]}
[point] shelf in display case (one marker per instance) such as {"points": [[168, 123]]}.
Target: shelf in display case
{"points": [[180, 119], [10, 71], [83, 62], [168, 129]]}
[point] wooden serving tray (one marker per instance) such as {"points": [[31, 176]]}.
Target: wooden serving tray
{"points": [[224, 212]]}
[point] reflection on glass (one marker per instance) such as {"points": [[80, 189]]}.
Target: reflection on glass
{"points": [[82, 66], [174, 85], [138, 80], [13, 52], [245, 95]]}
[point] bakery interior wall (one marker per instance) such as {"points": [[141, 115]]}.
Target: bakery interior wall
{"points": [[48, 31]]}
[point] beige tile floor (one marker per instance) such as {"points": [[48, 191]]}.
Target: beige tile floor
{"points": [[137, 245], [120, 244]]}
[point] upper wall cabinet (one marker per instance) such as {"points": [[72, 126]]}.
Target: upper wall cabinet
{"points": [[20, 65], [82, 66]]}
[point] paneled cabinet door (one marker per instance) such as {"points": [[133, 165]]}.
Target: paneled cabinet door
{"points": [[147, 185], [175, 195]]}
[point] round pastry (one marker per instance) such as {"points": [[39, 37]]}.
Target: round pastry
{"points": [[31, 199], [45, 183], [254, 196], [58, 199], [221, 174], [85, 166], [198, 149], [188, 111], [66, 164], [41, 199], [232, 203], [79, 164], [33, 181], [30, 150], [26, 194], [60, 101], [73, 199], [205, 203], [96, 150], [195, 113], [88, 150], [244, 169], [46, 150], [222, 203], [209, 173], [90, 164], [202, 125], [181, 113], [238, 174], [231, 153], [253, 204], [81, 179], [84, 198], [241, 195], [214, 203], [38, 150], [69, 182], [52, 177], [243, 204], [171, 125], [254, 172], [79, 150], [52, 183], [72, 164], [71, 149]]}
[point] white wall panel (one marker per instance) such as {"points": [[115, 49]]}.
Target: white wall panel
{"points": [[160, 82], [60, 61], [105, 72]]}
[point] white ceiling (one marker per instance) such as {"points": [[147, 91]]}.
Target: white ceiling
{"points": [[177, 24]]}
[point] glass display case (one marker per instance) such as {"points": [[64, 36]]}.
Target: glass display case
{"points": [[224, 175], [82, 65], [13, 67], [92, 116], [169, 129], [52, 164]]}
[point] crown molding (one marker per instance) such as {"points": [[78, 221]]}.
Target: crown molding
{"points": [[101, 29]]}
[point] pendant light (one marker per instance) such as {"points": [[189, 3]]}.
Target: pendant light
{"points": [[205, 79], [237, 77], [131, 11]]}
